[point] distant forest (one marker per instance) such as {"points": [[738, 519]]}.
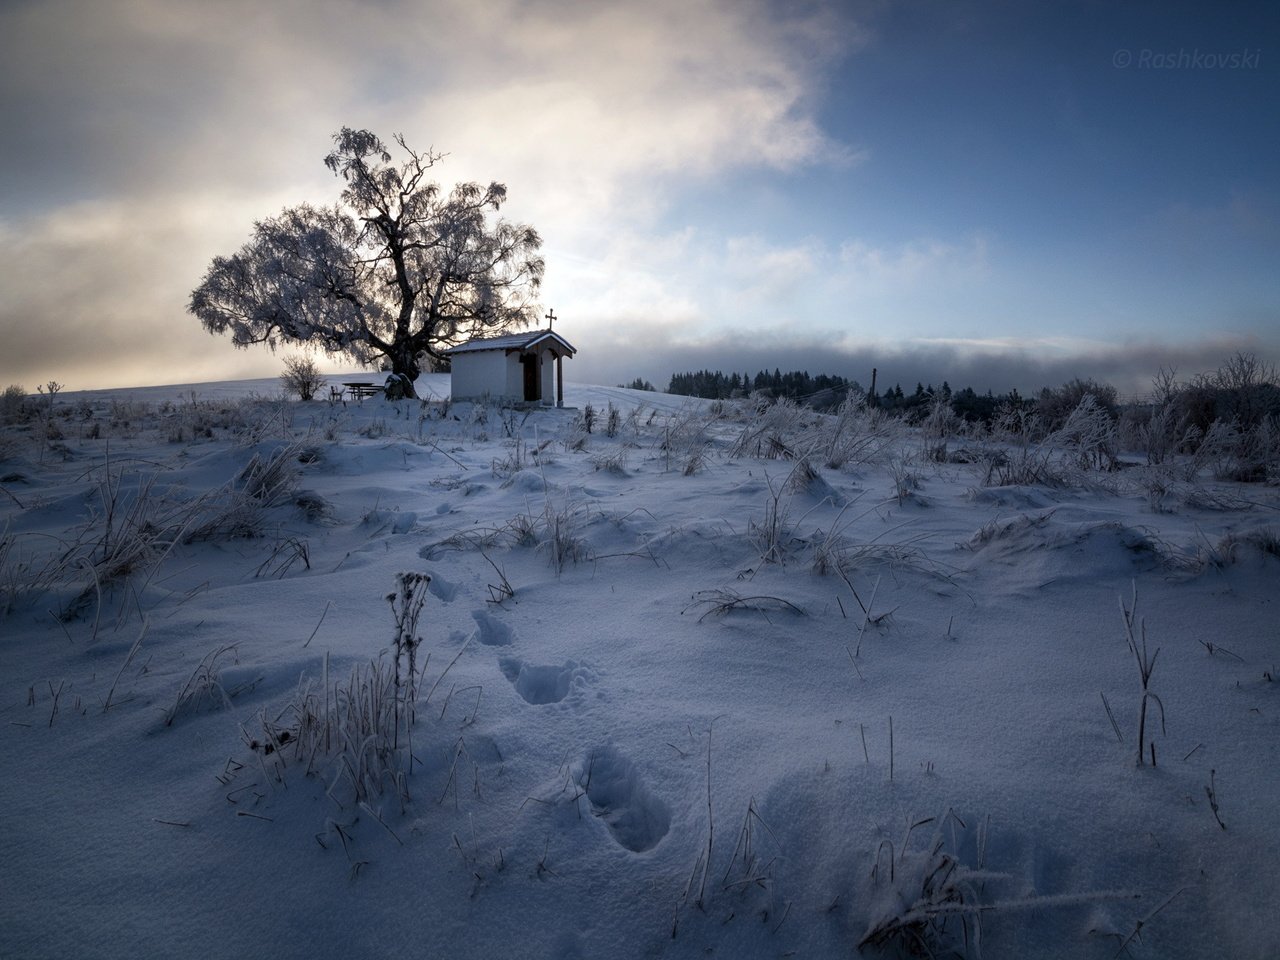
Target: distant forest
{"points": [[826, 390], [718, 386]]}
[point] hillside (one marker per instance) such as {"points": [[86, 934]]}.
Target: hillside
{"points": [[709, 680]]}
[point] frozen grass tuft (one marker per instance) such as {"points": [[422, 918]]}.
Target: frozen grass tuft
{"points": [[685, 439], [203, 689], [772, 534], [130, 531], [559, 536], [925, 901], [1146, 661], [857, 434], [772, 434], [723, 600], [614, 462], [933, 899], [1233, 548], [345, 732], [357, 732]]}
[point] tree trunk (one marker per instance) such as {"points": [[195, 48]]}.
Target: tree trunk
{"points": [[404, 362]]}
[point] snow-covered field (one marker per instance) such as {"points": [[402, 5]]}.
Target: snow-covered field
{"points": [[678, 693]]}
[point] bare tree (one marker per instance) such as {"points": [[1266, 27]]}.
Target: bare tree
{"points": [[394, 273], [301, 377]]}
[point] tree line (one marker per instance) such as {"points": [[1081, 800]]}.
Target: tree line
{"points": [[795, 385], [1244, 391], [828, 390]]}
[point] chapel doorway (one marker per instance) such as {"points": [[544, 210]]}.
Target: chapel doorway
{"points": [[532, 382]]}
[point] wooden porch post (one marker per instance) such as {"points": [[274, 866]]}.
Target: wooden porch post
{"points": [[559, 381]]}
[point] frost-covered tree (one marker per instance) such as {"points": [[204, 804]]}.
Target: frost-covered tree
{"points": [[301, 377], [395, 272]]}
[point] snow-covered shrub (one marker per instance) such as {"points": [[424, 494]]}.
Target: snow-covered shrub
{"points": [[1088, 434], [905, 481], [1157, 483], [512, 463], [575, 439], [14, 404], [270, 480], [694, 463], [376, 429], [256, 418], [477, 419], [1055, 405], [1015, 453], [1160, 431], [238, 509], [1243, 455], [1263, 449], [1245, 390], [301, 377], [1252, 455], [1019, 452], [938, 426]]}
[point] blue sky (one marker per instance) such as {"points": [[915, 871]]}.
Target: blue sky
{"points": [[997, 193]]}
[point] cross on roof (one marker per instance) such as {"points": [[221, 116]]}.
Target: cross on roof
{"points": [[551, 319]]}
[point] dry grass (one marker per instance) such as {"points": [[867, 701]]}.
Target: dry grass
{"points": [[926, 900], [203, 688], [1136, 635], [723, 600]]}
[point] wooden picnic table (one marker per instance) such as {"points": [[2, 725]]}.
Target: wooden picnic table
{"points": [[363, 388]]}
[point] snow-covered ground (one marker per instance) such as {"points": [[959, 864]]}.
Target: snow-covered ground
{"points": [[677, 693]]}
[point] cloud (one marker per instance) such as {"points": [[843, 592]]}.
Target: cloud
{"points": [[577, 98], [874, 268], [599, 113], [147, 135], [692, 285], [96, 292]]}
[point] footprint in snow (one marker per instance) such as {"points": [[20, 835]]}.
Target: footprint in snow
{"points": [[541, 685], [637, 819], [491, 632], [442, 589]]}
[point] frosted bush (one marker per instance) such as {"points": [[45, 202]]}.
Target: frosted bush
{"points": [[301, 377], [14, 404]]}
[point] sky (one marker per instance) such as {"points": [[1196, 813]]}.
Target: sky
{"points": [[996, 194]]}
